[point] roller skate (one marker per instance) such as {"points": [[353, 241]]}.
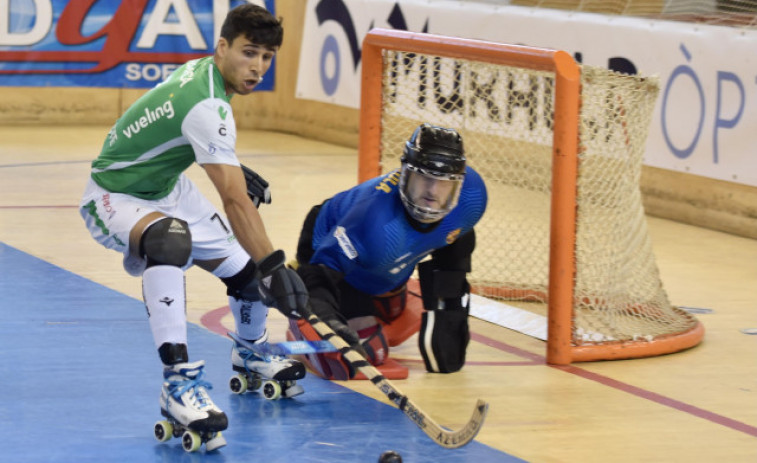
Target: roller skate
{"points": [[256, 369], [189, 412]]}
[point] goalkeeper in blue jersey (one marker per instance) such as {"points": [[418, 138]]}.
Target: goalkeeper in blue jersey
{"points": [[358, 249]]}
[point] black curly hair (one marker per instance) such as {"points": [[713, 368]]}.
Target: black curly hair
{"points": [[255, 23]]}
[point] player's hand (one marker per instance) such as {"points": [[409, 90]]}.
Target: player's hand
{"points": [[257, 187], [281, 287]]}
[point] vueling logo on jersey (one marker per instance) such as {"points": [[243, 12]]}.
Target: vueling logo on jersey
{"points": [[166, 110], [389, 181]]}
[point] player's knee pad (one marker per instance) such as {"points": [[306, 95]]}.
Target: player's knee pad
{"points": [[168, 241], [389, 306], [243, 285]]}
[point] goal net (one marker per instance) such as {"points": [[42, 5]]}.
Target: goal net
{"points": [[560, 147]]}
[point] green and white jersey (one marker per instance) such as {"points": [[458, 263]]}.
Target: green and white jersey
{"points": [[185, 119]]}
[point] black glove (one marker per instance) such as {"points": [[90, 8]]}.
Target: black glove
{"points": [[257, 187], [280, 286]]}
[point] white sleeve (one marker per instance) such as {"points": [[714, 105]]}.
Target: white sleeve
{"points": [[209, 126]]}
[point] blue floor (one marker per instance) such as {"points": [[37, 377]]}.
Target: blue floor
{"points": [[81, 380]]}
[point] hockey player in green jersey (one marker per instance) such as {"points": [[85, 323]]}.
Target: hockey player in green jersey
{"points": [[139, 202]]}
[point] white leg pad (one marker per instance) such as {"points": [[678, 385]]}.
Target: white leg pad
{"points": [[164, 294]]}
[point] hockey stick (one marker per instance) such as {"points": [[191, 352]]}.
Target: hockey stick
{"points": [[444, 437], [286, 347]]}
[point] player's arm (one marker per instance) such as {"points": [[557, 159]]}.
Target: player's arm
{"points": [[279, 286], [243, 216], [444, 335]]}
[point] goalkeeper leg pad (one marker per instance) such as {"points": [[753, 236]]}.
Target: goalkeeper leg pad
{"points": [[374, 344], [327, 365], [389, 306], [443, 340]]}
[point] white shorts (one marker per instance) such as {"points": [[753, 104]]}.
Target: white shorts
{"points": [[111, 216]]}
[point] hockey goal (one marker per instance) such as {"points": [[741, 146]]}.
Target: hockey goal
{"points": [[560, 147]]}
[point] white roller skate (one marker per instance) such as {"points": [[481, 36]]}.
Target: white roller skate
{"points": [[255, 368], [189, 412]]}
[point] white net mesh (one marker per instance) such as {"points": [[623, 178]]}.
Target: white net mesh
{"points": [[505, 116]]}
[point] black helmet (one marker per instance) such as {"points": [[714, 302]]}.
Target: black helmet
{"points": [[432, 156]]}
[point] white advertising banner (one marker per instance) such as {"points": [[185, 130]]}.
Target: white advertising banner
{"points": [[705, 120]]}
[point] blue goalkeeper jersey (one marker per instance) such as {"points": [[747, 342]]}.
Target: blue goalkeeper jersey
{"points": [[364, 233]]}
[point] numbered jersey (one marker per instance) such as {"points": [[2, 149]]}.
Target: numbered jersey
{"points": [[185, 119], [365, 234]]}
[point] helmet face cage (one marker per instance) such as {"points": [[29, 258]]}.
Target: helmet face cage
{"points": [[417, 188], [433, 169]]}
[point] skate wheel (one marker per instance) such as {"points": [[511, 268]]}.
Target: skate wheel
{"points": [[238, 384], [271, 390], [163, 430], [191, 441], [216, 442]]}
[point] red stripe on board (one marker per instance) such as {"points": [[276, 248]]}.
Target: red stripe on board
{"points": [[535, 358], [661, 399], [633, 390]]}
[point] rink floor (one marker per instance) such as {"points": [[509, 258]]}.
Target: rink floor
{"points": [[81, 383]]}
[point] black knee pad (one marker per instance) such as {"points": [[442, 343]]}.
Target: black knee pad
{"points": [[167, 242], [243, 285]]}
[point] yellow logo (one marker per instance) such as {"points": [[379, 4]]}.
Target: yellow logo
{"points": [[452, 236], [392, 178]]}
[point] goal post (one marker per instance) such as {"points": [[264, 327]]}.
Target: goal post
{"points": [[560, 147]]}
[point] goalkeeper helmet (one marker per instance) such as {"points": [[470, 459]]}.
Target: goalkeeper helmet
{"points": [[433, 169]]}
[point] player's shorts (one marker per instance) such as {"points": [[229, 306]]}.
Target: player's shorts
{"points": [[111, 216]]}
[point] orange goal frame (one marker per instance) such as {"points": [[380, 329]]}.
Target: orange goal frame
{"points": [[562, 267]]}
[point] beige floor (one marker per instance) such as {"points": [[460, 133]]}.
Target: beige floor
{"points": [[695, 406]]}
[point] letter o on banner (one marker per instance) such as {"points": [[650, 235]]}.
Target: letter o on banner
{"points": [[330, 62]]}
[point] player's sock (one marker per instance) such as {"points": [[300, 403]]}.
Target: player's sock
{"points": [[164, 295], [249, 318]]}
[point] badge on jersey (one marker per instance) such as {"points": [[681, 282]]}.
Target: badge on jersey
{"points": [[344, 242], [453, 235]]}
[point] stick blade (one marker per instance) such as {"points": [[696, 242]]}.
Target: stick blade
{"points": [[301, 347], [286, 347], [456, 439]]}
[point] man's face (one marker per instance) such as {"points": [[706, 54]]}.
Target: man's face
{"points": [[242, 64], [430, 192]]}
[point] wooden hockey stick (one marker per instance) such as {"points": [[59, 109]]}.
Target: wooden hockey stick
{"points": [[444, 437]]}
